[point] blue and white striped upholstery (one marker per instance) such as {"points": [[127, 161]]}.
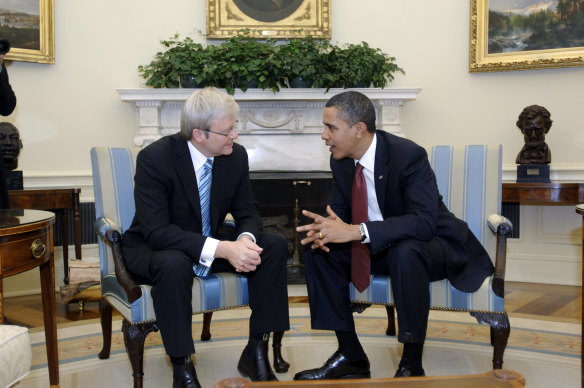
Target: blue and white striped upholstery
{"points": [[469, 179], [113, 183]]}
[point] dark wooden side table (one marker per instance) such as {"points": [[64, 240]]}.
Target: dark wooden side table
{"points": [[60, 200], [543, 193], [26, 242]]}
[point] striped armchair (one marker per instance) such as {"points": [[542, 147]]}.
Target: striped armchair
{"points": [[469, 179], [113, 185]]}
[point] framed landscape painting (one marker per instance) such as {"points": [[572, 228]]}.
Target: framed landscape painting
{"points": [[29, 27], [279, 19], [525, 34]]}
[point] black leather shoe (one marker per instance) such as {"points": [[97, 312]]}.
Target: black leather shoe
{"points": [[337, 367], [254, 362], [185, 376], [409, 372]]}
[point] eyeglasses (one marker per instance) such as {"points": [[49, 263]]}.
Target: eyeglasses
{"points": [[226, 134]]}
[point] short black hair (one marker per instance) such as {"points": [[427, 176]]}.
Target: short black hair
{"points": [[354, 107]]}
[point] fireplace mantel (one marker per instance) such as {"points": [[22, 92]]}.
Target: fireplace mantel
{"points": [[291, 120]]}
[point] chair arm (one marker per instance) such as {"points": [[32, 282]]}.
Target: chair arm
{"points": [[502, 227], [110, 231], [103, 224]]}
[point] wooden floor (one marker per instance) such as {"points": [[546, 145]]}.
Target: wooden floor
{"points": [[522, 300]]}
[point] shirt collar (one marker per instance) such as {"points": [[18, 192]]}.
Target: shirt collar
{"points": [[368, 158], [196, 156]]}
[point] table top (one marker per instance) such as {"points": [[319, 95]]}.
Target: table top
{"points": [[551, 192], [10, 218], [501, 378]]}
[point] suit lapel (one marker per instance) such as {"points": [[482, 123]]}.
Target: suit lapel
{"points": [[183, 165], [220, 174], [381, 173]]}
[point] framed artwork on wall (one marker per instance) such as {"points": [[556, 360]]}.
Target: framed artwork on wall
{"points": [[525, 34], [279, 19], [29, 27]]}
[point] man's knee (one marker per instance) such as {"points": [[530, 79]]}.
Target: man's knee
{"points": [[407, 255], [275, 246], [171, 262]]}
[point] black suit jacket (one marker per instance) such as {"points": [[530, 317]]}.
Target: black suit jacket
{"points": [[7, 97], [412, 208], [168, 212]]}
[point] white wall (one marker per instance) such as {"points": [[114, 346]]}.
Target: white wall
{"points": [[66, 108]]}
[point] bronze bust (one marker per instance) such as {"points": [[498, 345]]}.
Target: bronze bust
{"points": [[10, 145], [534, 122]]}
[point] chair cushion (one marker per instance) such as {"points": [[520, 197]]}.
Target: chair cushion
{"points": [[15, 354], [216, 292], [443, 296]]}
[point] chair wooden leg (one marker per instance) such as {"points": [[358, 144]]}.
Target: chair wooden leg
{"points": [[390, 320], [206, 332], [280, 365], [500, 330], [134, 337], [105, 316]]}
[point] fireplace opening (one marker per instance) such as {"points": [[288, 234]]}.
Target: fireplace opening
{"points": [[281, 196]]}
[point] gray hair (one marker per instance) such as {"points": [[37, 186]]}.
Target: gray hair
{"points": [[204, 106], [354, 107]]}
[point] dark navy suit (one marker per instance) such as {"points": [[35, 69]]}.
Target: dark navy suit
{"points": [[418, 241], [165, 238]]}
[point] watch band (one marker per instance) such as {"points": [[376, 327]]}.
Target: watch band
{"points": [[362, 231]]}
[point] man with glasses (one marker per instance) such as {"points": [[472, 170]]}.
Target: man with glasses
{"points": [[185, 185]]}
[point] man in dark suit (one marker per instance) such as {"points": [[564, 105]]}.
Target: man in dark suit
{"points": [[175, 233], [405, 232], [7, 105], [7, 96]]}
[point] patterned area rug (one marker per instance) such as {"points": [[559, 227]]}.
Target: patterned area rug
{"points": [[546, 353]]}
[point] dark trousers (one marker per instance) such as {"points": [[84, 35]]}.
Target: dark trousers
{"points": [[411, 264], [170, 273]]}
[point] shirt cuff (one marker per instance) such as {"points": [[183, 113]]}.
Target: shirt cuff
{"points": [[247, 234], [208, 252]]}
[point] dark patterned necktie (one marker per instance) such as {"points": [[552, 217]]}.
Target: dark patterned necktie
{"points": [[360, 258]]}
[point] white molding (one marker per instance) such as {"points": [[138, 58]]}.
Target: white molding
{"points": [[41, 179], [46, 179], [290, 115], [561, 172]]}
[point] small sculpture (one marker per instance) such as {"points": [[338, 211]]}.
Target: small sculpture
{"points": [[534, 122], [534, 158], [10, 146]]}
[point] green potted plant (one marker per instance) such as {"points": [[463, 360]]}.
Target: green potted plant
{"points": [[303, 60], [181, 58], [359, 65], [245, 62]]}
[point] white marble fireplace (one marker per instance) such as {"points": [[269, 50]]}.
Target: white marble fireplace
{"points": [[281, 131]]}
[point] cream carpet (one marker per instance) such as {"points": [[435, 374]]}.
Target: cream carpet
{"points": [[546, 353]]}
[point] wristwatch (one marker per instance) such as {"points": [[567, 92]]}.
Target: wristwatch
{"points": [[362, 232]]}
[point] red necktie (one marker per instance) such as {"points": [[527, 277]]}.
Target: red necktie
{"points": [[360, 260]]}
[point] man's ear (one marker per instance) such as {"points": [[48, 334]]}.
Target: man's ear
{"points": [[197, 135], [361, 129]]}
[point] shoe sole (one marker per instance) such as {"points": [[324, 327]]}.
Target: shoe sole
{"points": [[344, 377]]}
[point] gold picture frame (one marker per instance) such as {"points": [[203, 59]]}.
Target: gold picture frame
{"points": [[485, 52], [278, 19], [38, 47]]}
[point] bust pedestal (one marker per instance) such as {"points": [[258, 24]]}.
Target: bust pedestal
{"points": [[537, 173], [14, 180]]}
